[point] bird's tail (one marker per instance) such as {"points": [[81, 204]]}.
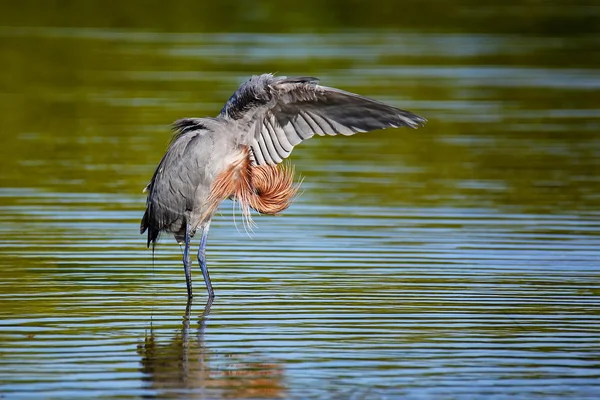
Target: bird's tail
{"points": [[152, 231]]}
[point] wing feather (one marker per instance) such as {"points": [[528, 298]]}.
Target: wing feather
{"points": [[316, 128], [270, 141], [287, 143], [259, 150], [287, 111]]}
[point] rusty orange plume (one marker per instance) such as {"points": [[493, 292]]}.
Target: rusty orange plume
{"points": [[268, 189]]}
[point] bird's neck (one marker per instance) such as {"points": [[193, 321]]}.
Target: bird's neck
{"points": [[267, 189]]}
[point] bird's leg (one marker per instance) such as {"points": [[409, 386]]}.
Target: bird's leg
{"points": [[202, 261], [187, 262]]}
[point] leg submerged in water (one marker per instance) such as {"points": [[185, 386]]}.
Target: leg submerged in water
{"points": [[202, 261]]}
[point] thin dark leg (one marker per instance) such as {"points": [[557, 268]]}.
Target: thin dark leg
{"points": [[202, 261], [207, 308], [187, 262]]}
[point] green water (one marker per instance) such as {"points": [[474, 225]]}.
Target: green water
{"points": [[455, 261]]}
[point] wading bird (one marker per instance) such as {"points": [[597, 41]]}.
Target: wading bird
{"points": [[237, 154]]}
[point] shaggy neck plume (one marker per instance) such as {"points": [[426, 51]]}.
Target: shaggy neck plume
{"points": [[267, 189]]}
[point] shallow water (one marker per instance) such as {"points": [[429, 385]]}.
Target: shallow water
{"points": [[456, 261]]}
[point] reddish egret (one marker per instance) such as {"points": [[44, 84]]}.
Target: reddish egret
{"points": [[236, 154]]}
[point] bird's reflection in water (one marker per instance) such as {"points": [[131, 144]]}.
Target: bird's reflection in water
{"points": [[185, 368]]}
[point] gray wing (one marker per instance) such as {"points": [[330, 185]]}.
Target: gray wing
{"points": [[172, 191], [282, 112]]}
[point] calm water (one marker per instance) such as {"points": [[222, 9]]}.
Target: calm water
{"points": [[456, 261]]}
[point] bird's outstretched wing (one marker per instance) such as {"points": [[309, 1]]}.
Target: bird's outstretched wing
{"points": [[282, 112]]}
